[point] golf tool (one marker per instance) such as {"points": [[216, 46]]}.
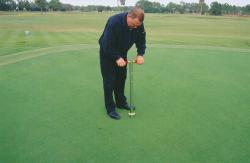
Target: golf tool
{"points": [[131, 89]]}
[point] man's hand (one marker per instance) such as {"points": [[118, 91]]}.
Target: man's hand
{"points": [[120, 62], [139, 59]]}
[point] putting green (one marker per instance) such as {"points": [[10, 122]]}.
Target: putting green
{"points": [[192, 106]]}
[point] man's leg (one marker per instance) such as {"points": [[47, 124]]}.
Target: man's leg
{"points": [[121, 75], [108, 75]]}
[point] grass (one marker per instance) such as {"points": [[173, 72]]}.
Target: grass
{"points": [[192, 93]]}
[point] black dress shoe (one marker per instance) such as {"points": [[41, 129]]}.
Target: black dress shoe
{"points": [[114, 115], [125, 106]]}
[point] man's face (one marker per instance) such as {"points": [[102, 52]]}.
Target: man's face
{"points": [[134, 23]]}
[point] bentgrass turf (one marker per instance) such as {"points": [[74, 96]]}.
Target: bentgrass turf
{"points": [[192, 99]]}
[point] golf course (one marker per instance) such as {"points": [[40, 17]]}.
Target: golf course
{"points": [[192, 94]]}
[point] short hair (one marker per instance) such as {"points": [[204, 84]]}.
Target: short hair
{"points": [[137, 12]]}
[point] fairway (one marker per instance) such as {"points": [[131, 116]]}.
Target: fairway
{"points": [[192, 93]]}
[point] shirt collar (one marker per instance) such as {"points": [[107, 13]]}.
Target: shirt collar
{"points": [[125, 23]]}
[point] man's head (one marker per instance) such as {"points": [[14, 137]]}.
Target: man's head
{"points": [[135, 17]]}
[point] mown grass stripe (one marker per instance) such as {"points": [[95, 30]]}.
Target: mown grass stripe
{"points": [[15, 42], [43, 39], [201, 47], [80, 36], [68, 37], [57, 36], [5, 37], [75, 37], [20, 56]]}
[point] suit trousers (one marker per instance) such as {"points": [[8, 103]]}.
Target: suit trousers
{"points": [[114, 79]]}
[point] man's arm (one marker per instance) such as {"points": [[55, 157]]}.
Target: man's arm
{"points": [[140, 45], [111, 34]]}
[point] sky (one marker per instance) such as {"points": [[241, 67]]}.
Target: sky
{"points": [[132, 2]]}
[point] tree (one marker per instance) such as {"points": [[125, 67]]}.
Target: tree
{"points": [[34, 7], [246, 9], [100, 8], [202, 2], [146, 5], [23, 4], [108, 8], [226, 8], [6, 5], [42, 4], [55, 5], [172, 7], [215, 8], [67, 7], [150, 7]]}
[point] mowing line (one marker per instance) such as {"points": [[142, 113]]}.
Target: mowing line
{"points": [[24, 55], [199, 47]]}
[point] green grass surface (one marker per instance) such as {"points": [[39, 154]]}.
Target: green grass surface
{"points": [[192, 93]]}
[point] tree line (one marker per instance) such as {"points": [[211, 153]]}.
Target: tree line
{"points": [[201, 7]]}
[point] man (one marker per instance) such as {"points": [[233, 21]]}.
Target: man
{"points": [[120, 33]]}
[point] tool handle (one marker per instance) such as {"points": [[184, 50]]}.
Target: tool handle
{"points": [[133, 61]]}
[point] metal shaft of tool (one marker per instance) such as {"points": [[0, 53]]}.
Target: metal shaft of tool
{"points": [[131, 90]]}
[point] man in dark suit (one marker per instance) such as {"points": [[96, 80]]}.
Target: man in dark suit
{"points": [[120, 33]]}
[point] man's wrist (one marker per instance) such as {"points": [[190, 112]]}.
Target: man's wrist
{"points": [[117, 58]]}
